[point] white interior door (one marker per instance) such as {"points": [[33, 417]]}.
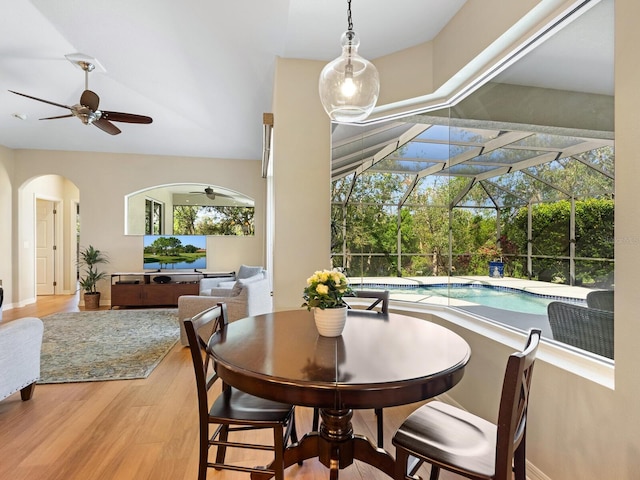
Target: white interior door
{"points": [[45, 247]]}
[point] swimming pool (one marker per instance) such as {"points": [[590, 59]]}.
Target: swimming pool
{"points": [[491, 296]]}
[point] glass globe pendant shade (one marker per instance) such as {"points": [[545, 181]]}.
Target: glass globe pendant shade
{"points": [[349, 85]]}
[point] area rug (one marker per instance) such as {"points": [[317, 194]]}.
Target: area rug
{"points": [[105, 344]]}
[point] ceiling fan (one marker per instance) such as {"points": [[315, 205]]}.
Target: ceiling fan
{"points": [[87, 109], [211, 194]]}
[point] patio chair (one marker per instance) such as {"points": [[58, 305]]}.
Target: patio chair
{"points": [[586, 328], [453, 439], [232, 410], [600, 299]]}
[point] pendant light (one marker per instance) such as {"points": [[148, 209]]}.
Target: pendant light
{"points": [[349, 85]]}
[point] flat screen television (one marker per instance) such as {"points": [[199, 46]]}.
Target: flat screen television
{"points": [[175, 252]]}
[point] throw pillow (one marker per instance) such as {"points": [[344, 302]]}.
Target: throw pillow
{"points": [[247, 271], [253, 279]]}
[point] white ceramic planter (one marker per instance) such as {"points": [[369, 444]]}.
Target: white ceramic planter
{"points": [[330, 321]]}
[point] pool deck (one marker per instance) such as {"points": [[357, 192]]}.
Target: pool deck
{"points": [[522, 321]]}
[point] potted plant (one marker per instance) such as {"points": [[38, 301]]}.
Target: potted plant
{"points": [[90, 258], [324, 294]]}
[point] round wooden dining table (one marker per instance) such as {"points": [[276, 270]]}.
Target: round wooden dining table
{"points": [[380, 360]]}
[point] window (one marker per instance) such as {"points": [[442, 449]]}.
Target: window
{"points": [[154, 212], [499, 204]]}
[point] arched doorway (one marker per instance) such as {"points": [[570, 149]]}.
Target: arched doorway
{"points": [[48, 235]]}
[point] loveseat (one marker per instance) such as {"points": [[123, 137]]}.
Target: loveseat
{"points": [[247, 294], [20, 345]]}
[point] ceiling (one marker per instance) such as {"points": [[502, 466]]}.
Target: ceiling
{"points": [[552, 106], [202, 70]]}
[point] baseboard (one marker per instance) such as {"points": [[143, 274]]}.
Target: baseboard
{"points": [[533, 473], [24, 303]]}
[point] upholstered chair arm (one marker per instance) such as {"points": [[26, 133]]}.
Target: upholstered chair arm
{"points": [[191, 305], [20, 345], [206, 284]]}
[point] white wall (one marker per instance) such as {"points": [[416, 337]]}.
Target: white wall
{"points": [[103, 180], [301, 173], [6, 228]]}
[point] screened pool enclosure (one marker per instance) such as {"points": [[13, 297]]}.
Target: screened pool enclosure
{"points": [[519, 170], [434, 196]]}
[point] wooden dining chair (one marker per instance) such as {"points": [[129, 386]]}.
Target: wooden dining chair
{"points": [[379, 304], [232, 410], [453, 439], [379, 299]]}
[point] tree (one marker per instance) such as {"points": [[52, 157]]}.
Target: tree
{"points": [[184, 219], [213, 220], [446, 214], [165, 246], [551, 236]]}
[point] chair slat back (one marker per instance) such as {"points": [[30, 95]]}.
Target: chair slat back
{"points": [[199, 329], [380, 298], [514, 403]]}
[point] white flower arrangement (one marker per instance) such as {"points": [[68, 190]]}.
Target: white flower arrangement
{"points": [[325, 289]]}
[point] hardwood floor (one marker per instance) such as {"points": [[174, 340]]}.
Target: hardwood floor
{"points": [[135, 429]]}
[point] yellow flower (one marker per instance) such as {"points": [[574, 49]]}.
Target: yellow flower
{"points": [[325, 289]]}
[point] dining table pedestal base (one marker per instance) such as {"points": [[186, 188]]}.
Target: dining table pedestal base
{"points": [[336, 446]]}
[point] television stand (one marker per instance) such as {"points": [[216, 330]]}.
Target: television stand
{"points": [[139, 289]]}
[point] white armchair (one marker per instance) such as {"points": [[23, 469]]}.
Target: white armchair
{"points": [[246, 295], [20, 345]]}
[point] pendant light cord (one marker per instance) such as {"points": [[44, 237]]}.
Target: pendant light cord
{"points": [[350, 32]]}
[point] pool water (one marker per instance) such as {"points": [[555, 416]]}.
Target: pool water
{"points": [[492, 297]]}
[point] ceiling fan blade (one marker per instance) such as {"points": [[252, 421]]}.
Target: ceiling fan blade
{"points": [[41, 100], [90, 99], [126, 117], [106, 126], [211, 194], [59, 116]]}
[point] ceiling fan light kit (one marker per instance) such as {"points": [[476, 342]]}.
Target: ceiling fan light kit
{"points": [[349, 85], [78, 59], [87, 109]]}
